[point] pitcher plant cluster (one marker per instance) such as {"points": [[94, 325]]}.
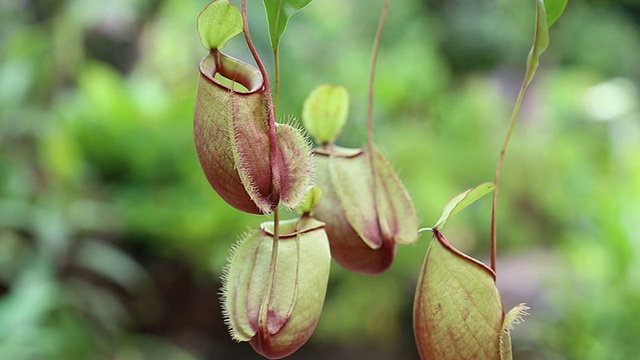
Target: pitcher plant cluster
{"points": [[352, 206]]}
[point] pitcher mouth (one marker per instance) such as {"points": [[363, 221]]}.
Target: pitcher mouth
{"points": [[233, 69], [337, 151]]}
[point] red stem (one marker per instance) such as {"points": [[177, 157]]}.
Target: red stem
{"points": [[372, 76], [372, 71], [531, 68], [275, 173]]}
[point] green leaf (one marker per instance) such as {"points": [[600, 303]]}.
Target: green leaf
{"points": [[278, 14], [218, 22], [461, 201], [457, 312], [540, 41], [554, 9], [513, 317], [324, 112]]}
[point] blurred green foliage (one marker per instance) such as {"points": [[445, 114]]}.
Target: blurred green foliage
{"points": [[103, 207]]}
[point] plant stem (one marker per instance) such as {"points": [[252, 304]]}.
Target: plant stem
{"points": [[276, 59], [372, 77], [496, 181], [264, 309], [275, 172], [372, 71], [532, 65]]}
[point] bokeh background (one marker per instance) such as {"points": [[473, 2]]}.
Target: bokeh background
{"points": [[112, 241]]}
